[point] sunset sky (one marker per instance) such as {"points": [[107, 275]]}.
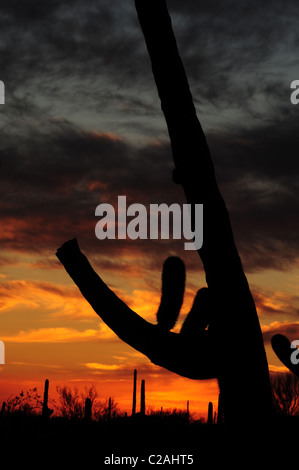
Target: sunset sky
{"points": [[82, 124]]}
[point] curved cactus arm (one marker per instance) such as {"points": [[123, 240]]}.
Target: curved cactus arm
{"points": [[166, 349], [284, 350]]}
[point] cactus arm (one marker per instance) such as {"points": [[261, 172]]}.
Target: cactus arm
{"points": [[142, 398], [173, 286], [166, 349], [134, 393]]}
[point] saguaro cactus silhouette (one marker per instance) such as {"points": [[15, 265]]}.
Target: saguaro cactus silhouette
{"points": [[46, 412], [88, 410], [222, 337], [210, 413], [3, 407], [109, 408], [134, 393], [142, 398]]}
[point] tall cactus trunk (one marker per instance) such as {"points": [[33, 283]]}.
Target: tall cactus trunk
{"points": [[142, 398], [188, 411], [134, 393], [225, 276]]}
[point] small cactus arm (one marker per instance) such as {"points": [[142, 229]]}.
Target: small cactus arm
{"points": [[221, 337], [284, 350], [173, 286]]}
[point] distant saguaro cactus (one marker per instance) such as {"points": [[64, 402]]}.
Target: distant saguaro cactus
{"points": [[142, 398], [88, 410], [109, 408], [134, 393], [188, 411], [2, 412], [210, 413], [46, 412]]}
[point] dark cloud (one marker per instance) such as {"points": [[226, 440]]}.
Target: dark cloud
{"points": [[95, 52], [258, 173], [82, 107], [53, 178]]}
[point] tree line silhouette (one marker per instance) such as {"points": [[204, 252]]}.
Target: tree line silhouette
{"points": [[86, 406]]}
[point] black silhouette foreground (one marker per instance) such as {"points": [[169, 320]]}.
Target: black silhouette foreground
{"points": [[221, 337]]}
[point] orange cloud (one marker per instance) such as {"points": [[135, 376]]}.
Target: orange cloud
{"points": [[146, 303], [58, 299], [103, 367], [289, 329], [274, 303], [64, 335]]}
